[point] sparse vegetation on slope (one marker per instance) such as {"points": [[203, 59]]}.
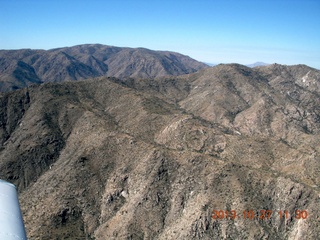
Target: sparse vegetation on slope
{"points": [[112, 158]]}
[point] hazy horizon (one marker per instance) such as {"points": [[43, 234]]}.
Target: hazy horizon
{"points": [[245, 32]]}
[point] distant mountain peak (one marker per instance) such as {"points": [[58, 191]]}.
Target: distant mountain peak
{"points": [[92, 60], [257, 64]]}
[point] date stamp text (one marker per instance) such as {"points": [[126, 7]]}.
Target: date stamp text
{"points": [[258, 214]]}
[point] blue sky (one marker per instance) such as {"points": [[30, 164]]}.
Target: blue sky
{"points": [[221, 31]]}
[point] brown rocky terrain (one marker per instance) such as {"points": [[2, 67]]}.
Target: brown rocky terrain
{"points": [[132, 158], [22, 68]]}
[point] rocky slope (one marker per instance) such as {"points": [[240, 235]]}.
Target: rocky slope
{"points": [[132, 158], [21, 68]]}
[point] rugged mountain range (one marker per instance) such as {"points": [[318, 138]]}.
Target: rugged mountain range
{"points": [[21, 68], [132, 158]]}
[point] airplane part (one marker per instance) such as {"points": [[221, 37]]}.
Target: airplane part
{"points": [[11, 221]]}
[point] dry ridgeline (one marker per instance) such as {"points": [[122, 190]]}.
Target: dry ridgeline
{"points": [[227, 152], [22, 68]]}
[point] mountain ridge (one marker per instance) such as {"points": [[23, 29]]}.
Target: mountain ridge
{"points": [[88, 61], [130, 158]]}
